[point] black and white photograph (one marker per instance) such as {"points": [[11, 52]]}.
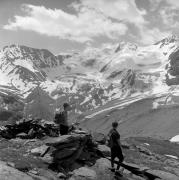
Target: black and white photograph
{"points": [[89, 89]]}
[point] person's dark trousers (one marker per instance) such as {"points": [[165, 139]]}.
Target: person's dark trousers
{"points": [[116, 152], [63, 129]]}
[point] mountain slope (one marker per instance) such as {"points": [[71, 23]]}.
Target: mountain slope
{"points": [[99, 80], [155, 116]]}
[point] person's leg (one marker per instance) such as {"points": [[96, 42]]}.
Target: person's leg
{"points": [[118, 165], [120, 157], [66, 128], [113, 156], [62, 129]]}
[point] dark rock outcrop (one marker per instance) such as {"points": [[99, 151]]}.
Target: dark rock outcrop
{"points": [[68, 148], [29, 129]]}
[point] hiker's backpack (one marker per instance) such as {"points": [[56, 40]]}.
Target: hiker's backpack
{"points": [[59, 118]]}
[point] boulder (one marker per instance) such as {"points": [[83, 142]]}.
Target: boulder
{"points": [[70, 160], [61, 176], [125, 145], [103, 164], [99, 137], [172, 162], [65, 139], [85, 156], [144, 150], [33, 171], [105, 150], [68, 148], [11, 164], [66, 152], [47, 158], [69, 145], [84, 173], [10, 173], [40, 151], [22, 165], [163, 175]]}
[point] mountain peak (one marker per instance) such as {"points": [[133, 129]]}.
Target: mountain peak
{"points": [[170, 39], [126, 45]]}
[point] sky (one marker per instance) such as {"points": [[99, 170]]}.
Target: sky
{"points": [[66, 25]]}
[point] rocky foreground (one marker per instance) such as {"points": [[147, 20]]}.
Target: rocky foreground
{"points": [[82, 156]]}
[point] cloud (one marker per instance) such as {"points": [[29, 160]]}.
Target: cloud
{"points": [[98, 18], [82, 27], [154, 4], [174, 3], [170, 17], [125, 10], [150, 36], [169, 14]]}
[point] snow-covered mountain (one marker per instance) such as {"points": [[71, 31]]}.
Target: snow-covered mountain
{"points": [[93, 78]]}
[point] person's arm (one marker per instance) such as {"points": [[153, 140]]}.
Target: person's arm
{"points": [[118, 139], [119, 142]]}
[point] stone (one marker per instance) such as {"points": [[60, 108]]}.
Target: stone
{"points": [[103, 164], [22, 165], [48, 174], [69, 145], [61, 175], [126, 172], [66, 152], [65, 139], [33, 171], [75, 165], [31, 133], [99, 137], [176, 171], [11, 164], [163, 175], [172, 169], [125, 145], [144, 150], [85, 156], [77, 131], [84, 173], [36, 177], [143, 168], [40, 151], [22, 135], [9, 173], [105, 150], [47, 158], [172, 162], [5, 163], [70, 160]]}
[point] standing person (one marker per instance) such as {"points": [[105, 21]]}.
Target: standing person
{"points": [[62, 119], [115, 145]]}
